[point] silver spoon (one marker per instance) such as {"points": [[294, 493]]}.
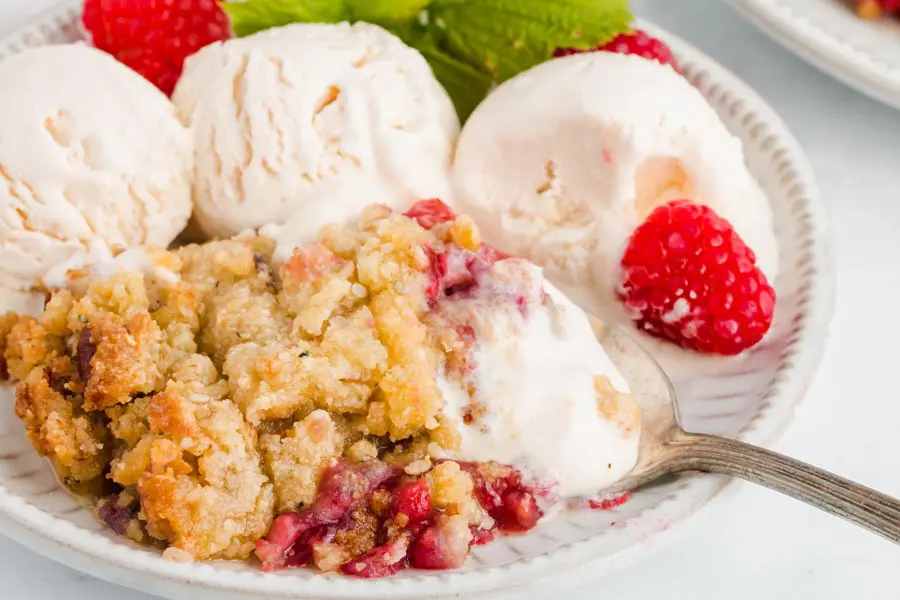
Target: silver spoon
{"points": [[666, 448]]}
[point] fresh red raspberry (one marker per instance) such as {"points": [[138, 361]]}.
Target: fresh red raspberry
{"points": [[637, 42], [153, 37], [688, 277]]}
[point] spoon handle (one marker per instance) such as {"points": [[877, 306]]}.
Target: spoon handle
{"points": [[712, 454]]}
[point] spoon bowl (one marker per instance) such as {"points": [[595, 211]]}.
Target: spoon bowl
{"points": [[667, 449]]}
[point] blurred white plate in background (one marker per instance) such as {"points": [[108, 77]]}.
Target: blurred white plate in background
{"points": [[829, 35]]}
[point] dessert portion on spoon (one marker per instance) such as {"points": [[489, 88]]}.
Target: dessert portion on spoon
{"points": [[386, 396]]}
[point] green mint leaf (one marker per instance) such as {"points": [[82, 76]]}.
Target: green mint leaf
{"points": [[248, 17], [465, 85], [506, 37], [386, 12]]}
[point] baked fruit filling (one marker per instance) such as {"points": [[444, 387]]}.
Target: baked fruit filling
{"points": [[371, 519]]}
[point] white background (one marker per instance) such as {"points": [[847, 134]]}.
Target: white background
{"points": [[750, 543]]}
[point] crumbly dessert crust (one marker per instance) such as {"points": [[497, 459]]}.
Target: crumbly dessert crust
{"points": [[224, 404], [217, 398]]}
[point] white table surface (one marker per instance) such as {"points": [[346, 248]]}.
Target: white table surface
{"points": [[750, 543]]}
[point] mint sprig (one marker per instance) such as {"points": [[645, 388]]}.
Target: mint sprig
{"points": [[471, 45], [385, 13], [505, 37], [252, 16], [465, 84]]}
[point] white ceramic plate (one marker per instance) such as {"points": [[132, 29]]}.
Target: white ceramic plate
{"points": [[752, 400], [865, 55]]}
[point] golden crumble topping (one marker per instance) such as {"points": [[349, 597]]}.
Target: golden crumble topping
{"points": [[125, 359], [215, 398], [77, 442], [294, 461], [28, 346], [7, 322]]}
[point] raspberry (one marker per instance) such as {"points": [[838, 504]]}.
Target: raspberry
{"points": [[292, 536], [637, 42], [444, 545], [412, 500], [381, 561], [455, 271], [688, 277], [428, 213], [153, 37], [500, 492], [520, 511]]}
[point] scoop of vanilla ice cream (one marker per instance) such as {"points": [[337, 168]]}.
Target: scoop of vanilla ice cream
{"points": [[542, 393], [292, 115], [91, 155], [562, 162]]}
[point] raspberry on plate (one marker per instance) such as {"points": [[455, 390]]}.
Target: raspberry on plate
{"points": [[688, 277], [153, 37], [637, 42]]}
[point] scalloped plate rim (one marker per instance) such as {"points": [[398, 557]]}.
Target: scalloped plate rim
{"points": [[832, 55], [35, 528]]}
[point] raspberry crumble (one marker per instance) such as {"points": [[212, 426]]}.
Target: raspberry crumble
{"points": [[223, 404]]}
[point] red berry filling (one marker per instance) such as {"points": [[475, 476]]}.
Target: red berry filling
{"points": [[610, 502], [429, 213], [344, 487], [452, 270], [411, 502], [457, 272], [500, 492], [411, 531], [443, 545], [381, 561]]}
